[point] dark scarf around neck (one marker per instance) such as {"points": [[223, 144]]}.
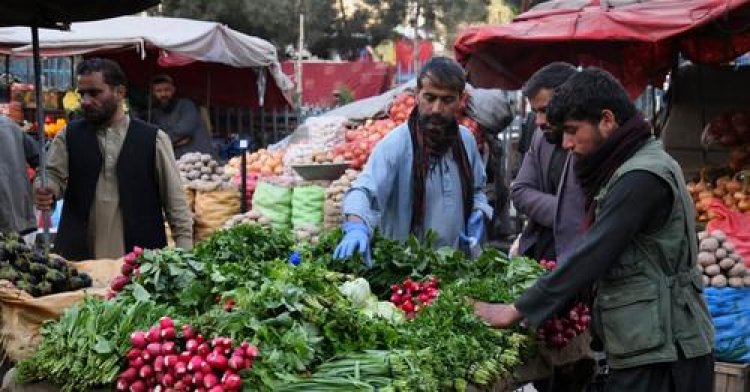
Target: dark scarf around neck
{"points": [[425, 145], [596, 169]]}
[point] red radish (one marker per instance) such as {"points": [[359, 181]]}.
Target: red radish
{"points": [[130, 374], [188, 332], [168, 348], [166, 322], [167, 380], [195, 363], [187, 379], [206, 368], [133, 353], [217, 388], [167, 333], [233, 382], [131, 259], [137, 250], [217, 361], [423, 297], [170, 361], [126, 269], [154, 349], [138, 339], [407, 306], [201, 389], [154, 334], [236, 363], [239, 352], [138, 386], [137, 362], [226, 342], [210, 380], [146, 371], [396, 299], [251, 351], [198, 378], [119, 282], [185, 357], [191, 346], [180, 386], [121, 385], [159, 364], [180, 369], [204, 349], [147, 357]]}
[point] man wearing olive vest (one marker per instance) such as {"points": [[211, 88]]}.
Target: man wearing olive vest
{"points": [[117, 175], [639, 251]]}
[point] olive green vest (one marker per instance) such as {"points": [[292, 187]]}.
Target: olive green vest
{"points": [[651, 301]]}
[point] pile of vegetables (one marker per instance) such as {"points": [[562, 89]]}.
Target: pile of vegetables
{"points": [[318, 324], [250, 217], [559, 330], [720, 264], [401, 107], [731, 189], [159, 359], [332, 214], [360, 141], [411, 296], [730, 128], [33, 272], [196, 168], [262, 162]]}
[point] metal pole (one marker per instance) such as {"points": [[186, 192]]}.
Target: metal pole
{"points": [[40, 129], [243, 180], [300, 47], [416, 40]]}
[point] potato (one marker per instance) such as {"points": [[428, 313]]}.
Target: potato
{"points": [[721, 253], [735, 282], [264, 220], [719, 281], [726, 263], [702, 235], [205, 177], [205, 158], [737, 270], [706, 281], [712, 270], [746, 280], [729, 246], [706, 258], [711, 244], [719, 235], [700, 268]]}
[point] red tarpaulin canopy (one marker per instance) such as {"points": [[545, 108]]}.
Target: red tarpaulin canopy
{"points": [[639, 42], [321, 79]]}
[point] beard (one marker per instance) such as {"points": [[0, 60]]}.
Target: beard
{"points": [[166, 105], [102, 115], [440, 132]]}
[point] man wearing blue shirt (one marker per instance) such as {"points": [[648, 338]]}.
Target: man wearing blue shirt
{"points": [[427, 174]]}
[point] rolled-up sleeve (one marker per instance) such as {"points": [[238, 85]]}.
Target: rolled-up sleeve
{"points": [[526, 190], [173, 197], [372, 189]]}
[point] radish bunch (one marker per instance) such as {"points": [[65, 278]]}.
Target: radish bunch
{"points": [[129, 267], [156, 363], [411, 296], [557, 331]]}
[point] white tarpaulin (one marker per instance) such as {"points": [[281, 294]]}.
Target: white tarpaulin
{"points": [[197, 40]]}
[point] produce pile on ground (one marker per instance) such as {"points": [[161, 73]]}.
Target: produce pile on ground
{"points": [[202, 172], [250, 217], [718, 261], [33, 272], [317, 324], [731, 189], [332, 209]]}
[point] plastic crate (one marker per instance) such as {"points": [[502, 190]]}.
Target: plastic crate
{"points": [[731, 377]]}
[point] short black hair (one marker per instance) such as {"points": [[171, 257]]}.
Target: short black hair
{"points": [[585, 95], [443, 72], [162, 78], [111, 71], [550, 76]]}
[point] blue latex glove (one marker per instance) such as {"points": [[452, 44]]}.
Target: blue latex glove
{"points": [[474, 228], [356, 239]]}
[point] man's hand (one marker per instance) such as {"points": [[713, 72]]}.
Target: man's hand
{"points": [[44, 199], [497, 315]]}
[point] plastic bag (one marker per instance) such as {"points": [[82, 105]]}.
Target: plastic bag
{"points": [[275, 203], [307, 206], [736, 225], [730, 311]]}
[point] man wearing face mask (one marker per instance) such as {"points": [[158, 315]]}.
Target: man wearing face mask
{"points": [[640, 248], [427, 174], [535, 190], [179, 118], [117, 175]]}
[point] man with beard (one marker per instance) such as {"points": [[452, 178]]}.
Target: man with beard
{"points": [[17, 150], [427, 174], [117, 175], [179, 117], [639, 250], [551, 230]]}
